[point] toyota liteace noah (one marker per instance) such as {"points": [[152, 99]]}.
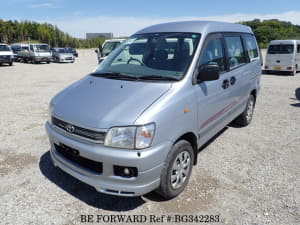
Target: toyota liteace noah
{"points": [[137, 122]]}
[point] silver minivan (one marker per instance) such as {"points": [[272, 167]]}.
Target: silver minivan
{"points": [[135, 124]]}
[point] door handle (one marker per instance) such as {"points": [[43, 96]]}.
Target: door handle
{"points": [[232, 80], [225, 84]]}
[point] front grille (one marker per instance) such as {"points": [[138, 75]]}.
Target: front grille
{"points": [[74, 156], [94, 135], [4, 57]]}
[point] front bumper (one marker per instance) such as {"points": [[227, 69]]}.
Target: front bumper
{"points": [[61, 60], [43, 59], [6, 59], [149, 164]]}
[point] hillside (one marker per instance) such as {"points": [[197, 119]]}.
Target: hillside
{"points": [[268, 30], [24, 31], [15, 31]]}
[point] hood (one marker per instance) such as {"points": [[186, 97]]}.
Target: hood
{"points": [[96, 102], [6, 53]]}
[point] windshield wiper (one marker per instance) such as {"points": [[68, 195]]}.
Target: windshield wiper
{"points": [[157, 77], [113, 75]]}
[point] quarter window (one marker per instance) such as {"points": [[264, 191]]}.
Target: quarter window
{"points": [[213, 54], [235, 51], [251, 47]]}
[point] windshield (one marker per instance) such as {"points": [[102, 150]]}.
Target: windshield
{"points": [[281, 49], [69, 50], [42, 48], [61, 50], [4, 48], [155, 55], [109, 47]]}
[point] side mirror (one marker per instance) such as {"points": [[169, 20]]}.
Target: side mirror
{"points": [[96, 51], [208, 73]]}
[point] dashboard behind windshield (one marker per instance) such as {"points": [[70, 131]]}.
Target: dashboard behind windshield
{"points": [[154, 54]]}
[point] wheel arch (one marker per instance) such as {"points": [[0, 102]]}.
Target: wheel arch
{"points": [[192, 139]]}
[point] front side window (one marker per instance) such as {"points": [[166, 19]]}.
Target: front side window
{"points": [[281, 49], [213, 54], [153, 56], [251, 47], [235, 51]]}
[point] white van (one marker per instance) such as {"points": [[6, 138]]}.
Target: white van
{"points": [[107, 47], [283, 55], [6, 54]]}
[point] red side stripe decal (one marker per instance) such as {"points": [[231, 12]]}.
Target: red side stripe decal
{"points": [[218, 114]]}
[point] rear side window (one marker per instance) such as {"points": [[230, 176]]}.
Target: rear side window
{"points": [[298, 48], [251, 47], [235, 51], [213, 54]]}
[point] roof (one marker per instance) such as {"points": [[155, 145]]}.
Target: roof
{"points": [[196, 27], [284, 42]]}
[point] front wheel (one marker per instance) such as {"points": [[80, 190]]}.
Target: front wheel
{"points": [[177, 170], [245, 118]]}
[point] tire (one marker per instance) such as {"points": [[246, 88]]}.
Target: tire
{"points": [[246, 117], [180, 161], [11, 63], [48, 62], [293, 73]]}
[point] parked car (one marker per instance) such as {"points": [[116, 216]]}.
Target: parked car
{"points": [[36, 53], [72, 50], [283, 55], [135, 124], [6, 54], [18, 47], [107, 47], [61, 55]]}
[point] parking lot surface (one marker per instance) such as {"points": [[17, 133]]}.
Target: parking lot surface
{"points": [[245, 175]]}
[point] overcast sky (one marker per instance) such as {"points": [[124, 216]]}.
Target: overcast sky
{"points": [[123, 18]]}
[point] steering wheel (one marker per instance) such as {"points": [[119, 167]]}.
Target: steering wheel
{"points": [[134, 59]]}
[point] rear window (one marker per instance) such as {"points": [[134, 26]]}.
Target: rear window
{"points": [[281, 49]]}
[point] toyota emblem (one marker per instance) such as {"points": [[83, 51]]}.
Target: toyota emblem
{"points": [[70, 128]]}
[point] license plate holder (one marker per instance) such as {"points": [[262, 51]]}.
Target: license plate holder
{"points": [[277, 68]]}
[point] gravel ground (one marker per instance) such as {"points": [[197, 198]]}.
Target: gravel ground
{"points": [[245, 175]]}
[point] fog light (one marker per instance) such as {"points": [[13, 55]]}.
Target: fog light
{"points": [[266, 67], [289, 68], [124, 171]]}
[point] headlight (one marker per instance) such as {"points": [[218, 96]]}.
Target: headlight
{"points": [[131, 137]]}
